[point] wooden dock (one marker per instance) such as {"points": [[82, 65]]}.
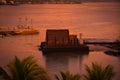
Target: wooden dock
{"points": [[102, 42]]}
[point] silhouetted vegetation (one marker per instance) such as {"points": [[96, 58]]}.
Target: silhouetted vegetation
{"points": [[68, 76], [97, 72], [26, 69]]}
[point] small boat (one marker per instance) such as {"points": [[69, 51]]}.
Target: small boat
{"points": [[61, 41], [25, 29], [26, 32]]}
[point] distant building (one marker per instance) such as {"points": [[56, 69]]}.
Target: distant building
{"points": [[73, 40], [60, 38], [57, 37]]}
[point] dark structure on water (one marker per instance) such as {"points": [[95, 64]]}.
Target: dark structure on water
{"points": [[60, 40]]}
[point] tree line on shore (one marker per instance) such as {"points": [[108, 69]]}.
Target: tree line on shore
{"points": [[28, 69], [38, 1], [51, 1]]}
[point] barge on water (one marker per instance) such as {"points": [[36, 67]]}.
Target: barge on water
{"points": [[61, 41]]}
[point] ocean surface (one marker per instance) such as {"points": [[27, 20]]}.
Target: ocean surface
{"points": [[93, 20]]}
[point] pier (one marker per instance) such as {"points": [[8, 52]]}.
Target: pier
{"points": [[101, 41], [113, 45]]}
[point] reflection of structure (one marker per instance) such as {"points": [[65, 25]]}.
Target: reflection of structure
{"points": [[74, 64], [60, 40], [56, 62]]}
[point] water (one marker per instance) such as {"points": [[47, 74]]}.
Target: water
{"points": [[94, 20]]}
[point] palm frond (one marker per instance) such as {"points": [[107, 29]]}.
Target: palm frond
{"points": [[108, 72], [4, 74], [26, 69], [57, 77], [68, 76], [32, 69], [97, 72], [15, 69]]}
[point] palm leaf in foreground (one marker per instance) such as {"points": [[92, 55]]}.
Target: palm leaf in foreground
{"points": [[68, 76], [4, 75], [26, 69], [97, 72]]}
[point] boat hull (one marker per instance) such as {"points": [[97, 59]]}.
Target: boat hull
{"points": [[26, 32]]}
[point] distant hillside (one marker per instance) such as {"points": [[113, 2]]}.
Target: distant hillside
{"points": [[100, 0], [52, 1]]}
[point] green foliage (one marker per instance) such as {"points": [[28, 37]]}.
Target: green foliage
{"points": [[4, 75], [26, 69], [97, 72], [68, 76]]}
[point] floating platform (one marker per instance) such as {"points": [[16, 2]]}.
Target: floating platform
{"points": [[61, 41], [79, 48]]}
